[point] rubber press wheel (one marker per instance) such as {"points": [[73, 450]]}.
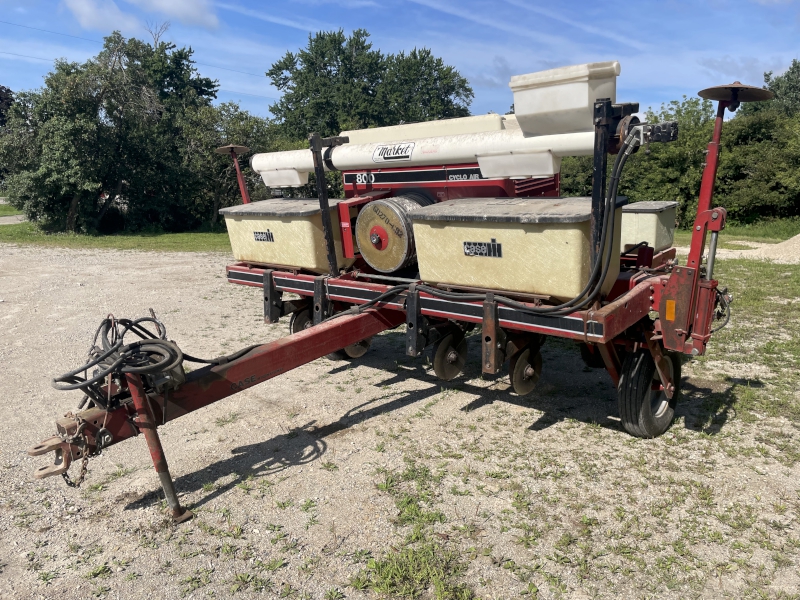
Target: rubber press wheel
{"points": [[302, 320], [450, 355], [644, 408], [524, 370]]}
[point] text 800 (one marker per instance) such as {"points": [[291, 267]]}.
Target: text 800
{"points": [[365, 178]]}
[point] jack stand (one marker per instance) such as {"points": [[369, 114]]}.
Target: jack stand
{"points": [[146, 422]]}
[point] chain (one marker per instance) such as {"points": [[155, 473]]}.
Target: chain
{"points": [[84, 467], [81, 440]]}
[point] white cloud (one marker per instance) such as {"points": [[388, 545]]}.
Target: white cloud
{"points": [[747, 69], [591, 29], [102, 15], [302, 25], [191, 12], [482, 18], [343, 3]]}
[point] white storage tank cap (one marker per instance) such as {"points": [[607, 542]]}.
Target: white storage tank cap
{"points": [[562, 100]]}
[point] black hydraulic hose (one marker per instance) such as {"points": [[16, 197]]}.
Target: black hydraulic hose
{"points": [[594, 285], [110, 356], [221, 360], [354, 310]]}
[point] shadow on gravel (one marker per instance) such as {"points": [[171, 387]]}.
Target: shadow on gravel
{"points": [[567, 390], [707, 406]]}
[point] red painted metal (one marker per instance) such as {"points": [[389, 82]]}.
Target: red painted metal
{"points": [[240, 178], [210, 384], [347, 221], [453, 186], [701, 328], [146, 423], [611, 360]]}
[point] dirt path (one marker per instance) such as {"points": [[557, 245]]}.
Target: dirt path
{"points": [[297, 483], [12, 220], [786, 252]]}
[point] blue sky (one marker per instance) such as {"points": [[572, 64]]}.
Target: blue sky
{"points": [[667, 48]]}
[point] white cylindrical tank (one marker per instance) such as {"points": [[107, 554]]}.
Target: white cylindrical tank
{"points": [[553, 118], [291, 168]]}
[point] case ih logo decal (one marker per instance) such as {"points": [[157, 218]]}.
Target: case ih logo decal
{"points": [[393, 153], [492, 249], [264, 236]]}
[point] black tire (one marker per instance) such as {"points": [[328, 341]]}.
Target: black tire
{"points": [[352, 351], [644, 409], [300, 320]]}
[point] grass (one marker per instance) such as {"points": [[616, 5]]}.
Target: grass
{"points": [[28, 234], [770, 231], [763, 337], [6, 210], [774, 230]]}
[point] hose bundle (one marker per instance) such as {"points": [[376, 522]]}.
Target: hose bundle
{"points": [[109, 355]]}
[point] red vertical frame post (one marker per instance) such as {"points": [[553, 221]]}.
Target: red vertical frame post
{"points": [[234, 152], [146, 423]]}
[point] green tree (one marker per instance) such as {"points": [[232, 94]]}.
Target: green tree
{"points": [[759, 171], [669, 172], [6, 100], [673, 171], [208, 128], [786, 88], [328, 86], [419, 87], [340, 82], [107, 133]]}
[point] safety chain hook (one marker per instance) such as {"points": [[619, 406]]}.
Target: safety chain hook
{"points": [[80, 440]]}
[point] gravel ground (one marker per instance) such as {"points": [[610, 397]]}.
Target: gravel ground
{"points": [[785, 253], [12, 220], [373, 474]]}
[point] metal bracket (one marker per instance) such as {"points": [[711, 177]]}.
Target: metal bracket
{"points": [[273, 302], [493, 338], [316, 144], [321, 302], [416, 324], [661, 365]]}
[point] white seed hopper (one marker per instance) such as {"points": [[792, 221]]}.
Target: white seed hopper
{"points": [[283, 232], [529, 245], [650, 221]]}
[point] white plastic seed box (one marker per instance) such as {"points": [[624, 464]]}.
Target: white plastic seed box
{"points": [[529, 245], [283, 232], [649, 221], [562, 100]]}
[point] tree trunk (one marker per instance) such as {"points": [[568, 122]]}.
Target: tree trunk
{"points": [[72, 215], [109, 200]]}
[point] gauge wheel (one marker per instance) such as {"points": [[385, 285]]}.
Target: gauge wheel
{"points": [[524, 369], [450, 355], [302, 320], [644, 408]]}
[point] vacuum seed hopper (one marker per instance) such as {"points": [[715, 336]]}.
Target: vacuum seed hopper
{"points": [[445, 226]]}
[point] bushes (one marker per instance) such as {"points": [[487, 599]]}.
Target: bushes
{"points": [[759, 171]]}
